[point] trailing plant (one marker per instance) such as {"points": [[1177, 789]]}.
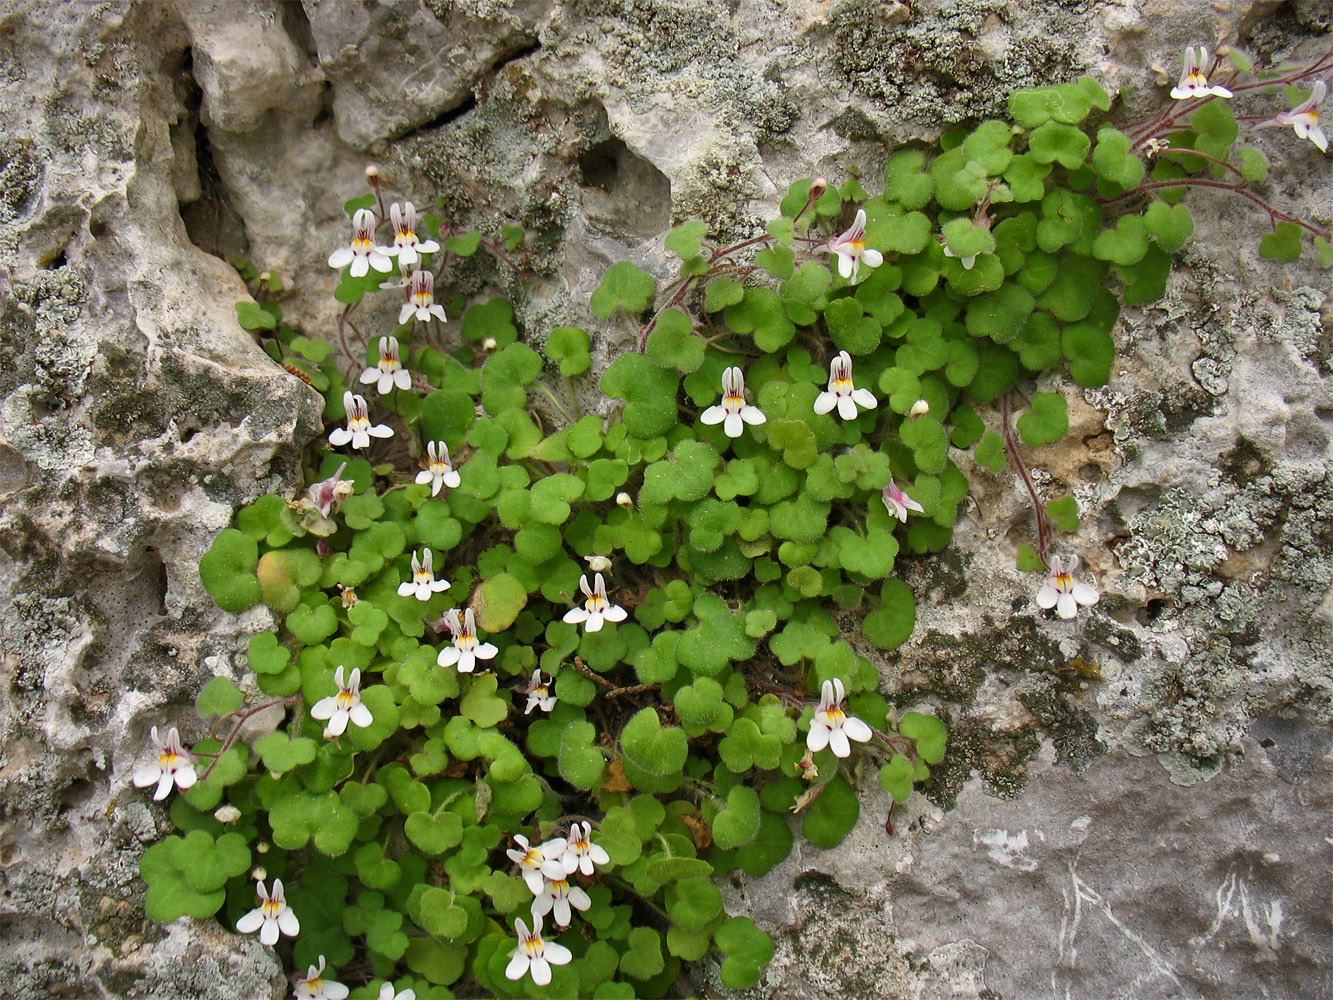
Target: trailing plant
{"points": [[541, 677]]}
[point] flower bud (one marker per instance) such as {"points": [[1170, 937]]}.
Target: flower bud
{"points": [[373, 175], [625, 500], [598, 564], [817, 188], [489, 344], [258, 873], [227, 814], [919, 409], [261, 848]]}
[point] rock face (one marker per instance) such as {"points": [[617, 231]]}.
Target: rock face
{"points": [[1137, 799]]}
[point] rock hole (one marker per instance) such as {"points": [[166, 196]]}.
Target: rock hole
{"points": [[54, 261], [205, 207], [624, 194], [1151, 611], [77, 793], [97, 229]]}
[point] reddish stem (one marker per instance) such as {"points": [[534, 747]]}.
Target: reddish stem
{"points": [[1043, 524]]}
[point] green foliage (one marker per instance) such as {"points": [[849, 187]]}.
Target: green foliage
{"points": [[751, 569]]}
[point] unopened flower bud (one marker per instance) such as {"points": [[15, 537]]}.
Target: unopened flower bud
{"points": [[343, 490], [489, 344], [261, 847], [624, 500], [817, 188], [373, 175], [227, 814], [258, 873], [919, 409], [598, 564]]}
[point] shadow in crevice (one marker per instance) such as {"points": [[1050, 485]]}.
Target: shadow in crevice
{"points": [[623, 194]]}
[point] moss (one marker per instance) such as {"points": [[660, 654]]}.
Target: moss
{"points": [[1000, 760], [853, 123]]}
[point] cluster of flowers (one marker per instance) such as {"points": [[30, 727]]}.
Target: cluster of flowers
{"points": [[546, 869], [1302, 119]]}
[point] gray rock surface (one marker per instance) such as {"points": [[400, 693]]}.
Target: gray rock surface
{"points": [[1163, 762]]}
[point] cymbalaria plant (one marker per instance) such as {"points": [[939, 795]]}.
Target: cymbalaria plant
{"points": [[483, 774]]}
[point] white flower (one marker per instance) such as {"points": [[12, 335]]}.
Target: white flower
{"points": [[1303, 118], [325, 493], [539, 693], [558, 895], [581, 853], [174, 765], [346, 704], [270, 917], [1062, 593], [313, 985], [1193, 80], [919, 409], [535, 955], [466, 651], [841, 392], [538, 864], [852, 251], [598, 564], [623, 499], [227, 814], [421, 300], [441, 472], [359, 429], [362, 254], [596, 608], [899, 503], [831, 726], [390, 371], [406, 247], [733, 408], [423, 583], [387, 993]]}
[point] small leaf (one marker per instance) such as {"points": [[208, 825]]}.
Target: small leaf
{"points": [[1047, 421], [623, 286]]}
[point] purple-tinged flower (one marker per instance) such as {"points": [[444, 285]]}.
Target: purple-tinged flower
{"points": [[389, 372], [466, 650], [558, 896], [327, 492], [362, 254], [1062, 593], [346, 705], [852, 250], [359, 429], [539, 693], [174, 765], [831, 726], [540, 863], [581, 853], [733, 412], [596, 608], [406, 247], [1303, 118], [841, 393], [1193, 80], [421, 302], [441, 471], [270, 917], [535, 955], [899, 503], [313, 985], [423, 583]]}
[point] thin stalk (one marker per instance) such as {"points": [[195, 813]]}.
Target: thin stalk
{"points": [[1043, 521]]}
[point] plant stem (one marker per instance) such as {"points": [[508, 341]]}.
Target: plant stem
{"points": [[236, 728], [1043, 521]]}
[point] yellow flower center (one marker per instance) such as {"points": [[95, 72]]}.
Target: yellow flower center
{"points": [[361, 245], [857, 245], [842, 386], [345, 699], [167, 761], [1064, 582]]}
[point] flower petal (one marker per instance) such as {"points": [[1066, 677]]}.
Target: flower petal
{"points": [[1047, 596], [837, 740], [147, 775], [288, 923], [251, 922], [713, 415], [518, 965], [733, 425], [1085, 595], [1066, 607], [856, 729], [753, 415], [818, 737], [865, 398], [824, 402], [847, 408]]}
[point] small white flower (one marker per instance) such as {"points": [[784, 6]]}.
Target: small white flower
{"points": [[899, 503], [841, 393], [270, 917], [539, 693], [535, 955], [423, 583], [387, 993], [919, 409], [1062, 593], [174, 765], [538, 864], [346, 704], [390, 371], [831, 726], [441, 472], [581, 853], [489, 344], [558, 896], [1193, 80], [623, 499], [596, 608], [1303, 118], [733, 408], [406, 247], [598, 564], [313, 985], [852, 250], [359, 429], [227, 814], [466, 651], [327, 492], [421, 300], [362, 254]]}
